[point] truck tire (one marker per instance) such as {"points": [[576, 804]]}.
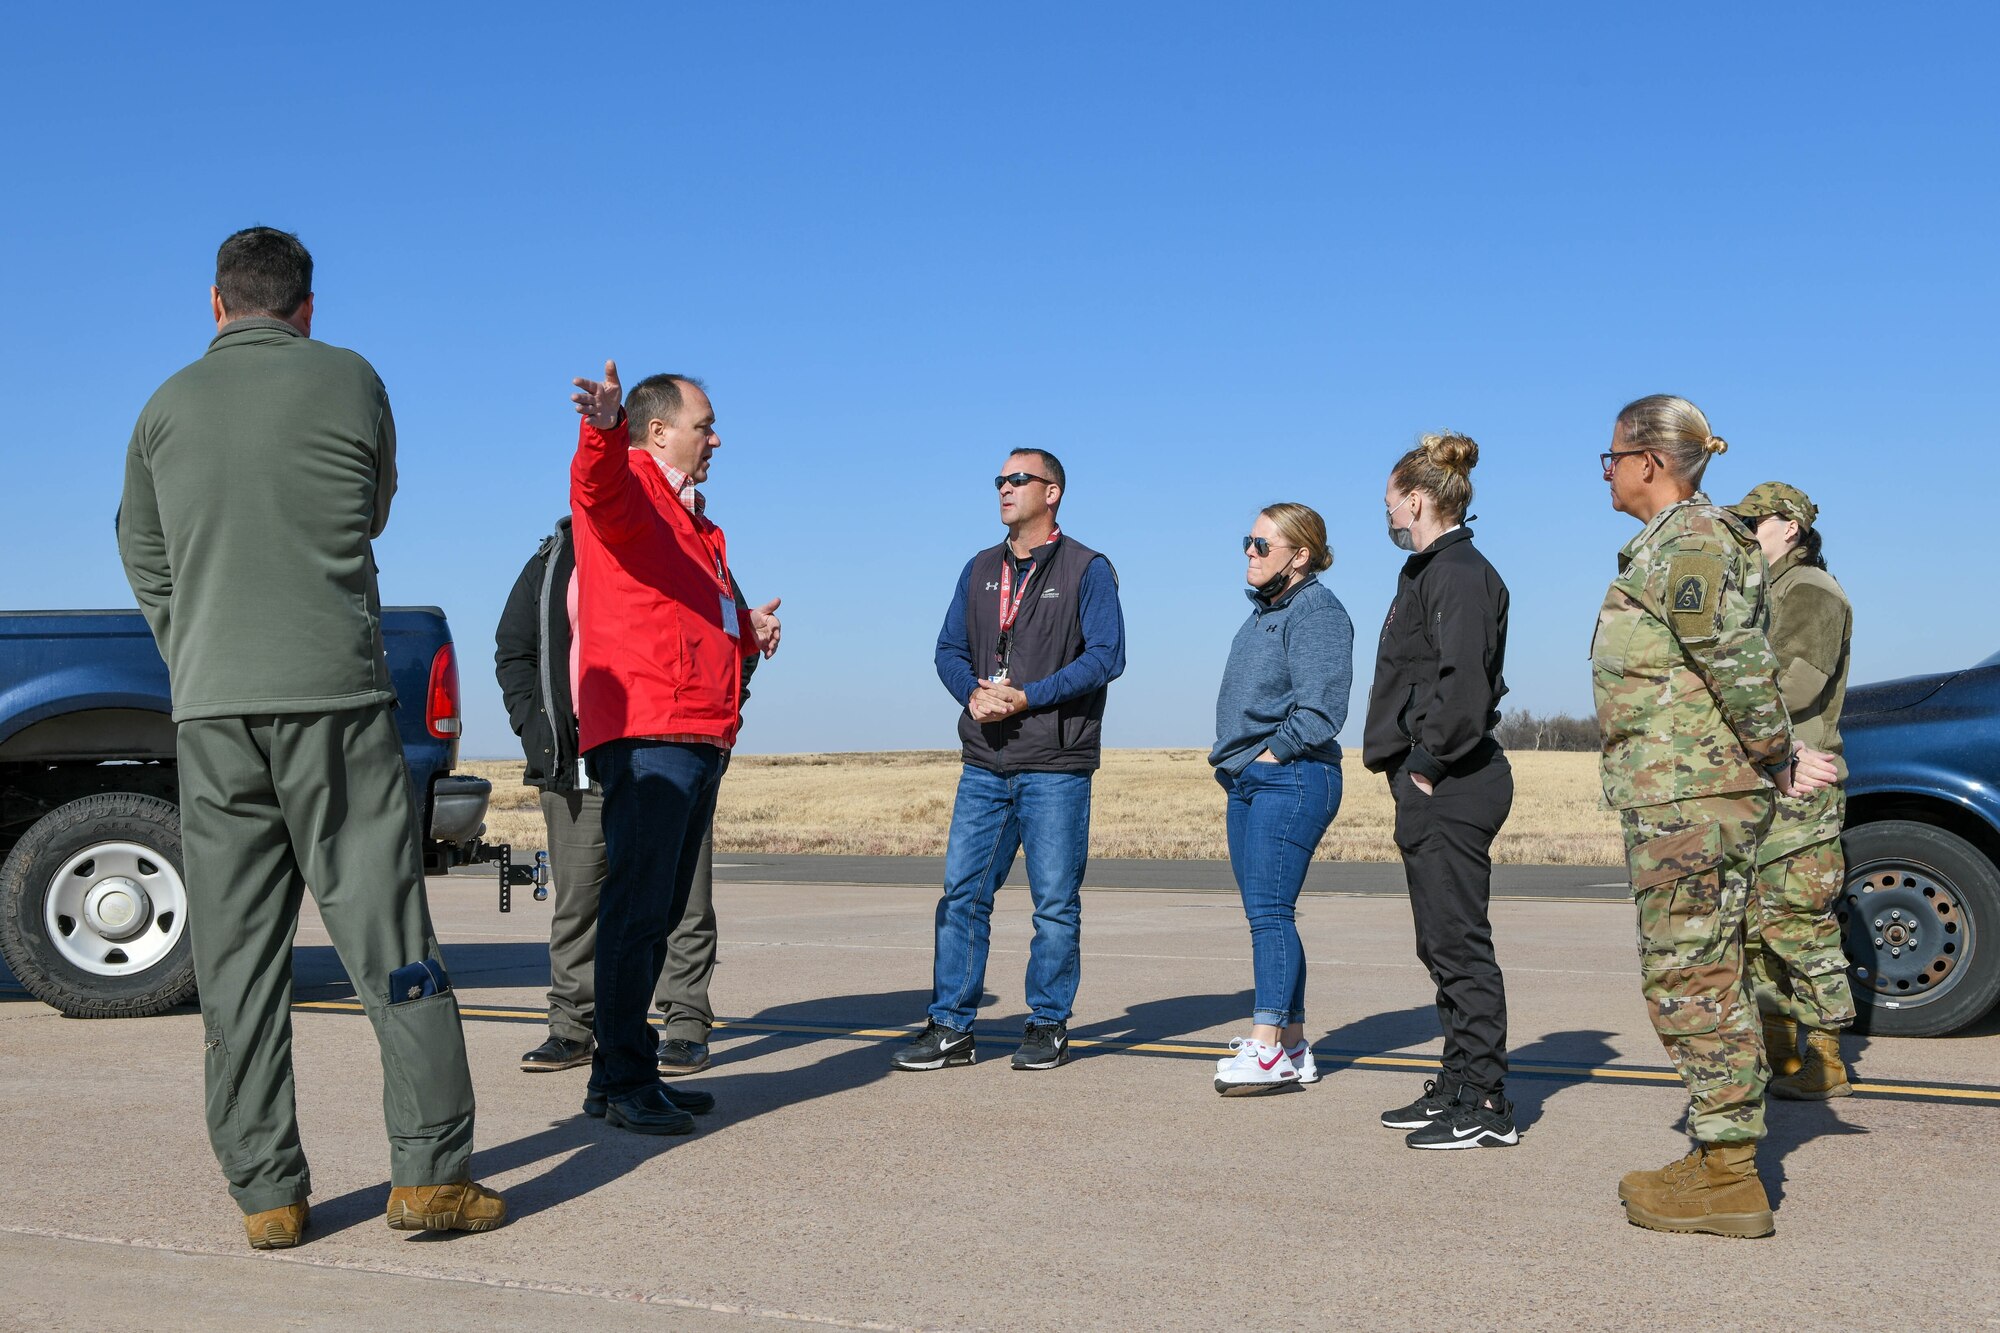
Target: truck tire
{"points": [[1920, 917], [93, 908]]}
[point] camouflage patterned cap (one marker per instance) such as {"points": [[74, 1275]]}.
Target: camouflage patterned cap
{"points": [[1774, 497]]}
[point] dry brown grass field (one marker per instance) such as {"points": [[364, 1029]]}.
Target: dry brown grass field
{"points": [[1152, 804]]}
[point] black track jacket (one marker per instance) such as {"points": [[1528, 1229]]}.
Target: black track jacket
{"points": [[1438, 681]]}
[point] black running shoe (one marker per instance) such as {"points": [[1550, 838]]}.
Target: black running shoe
{"points": [[936, 1047], [1043, 1046], [1475, 1120], [1437, 1099]]}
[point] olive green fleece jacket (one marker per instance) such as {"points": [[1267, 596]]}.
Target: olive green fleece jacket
{"points": [[255, 482], [1811, 624]]}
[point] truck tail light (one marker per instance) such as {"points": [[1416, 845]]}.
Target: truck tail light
{"points": [[441, 700]]}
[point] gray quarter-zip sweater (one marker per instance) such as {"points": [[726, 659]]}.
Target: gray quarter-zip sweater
{"points": [[255, 483], [1285, 689]]}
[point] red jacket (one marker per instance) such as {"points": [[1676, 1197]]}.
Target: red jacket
{"points": [[655, 658]]}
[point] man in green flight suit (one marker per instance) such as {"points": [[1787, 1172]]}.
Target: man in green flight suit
{"points": [[1696, 739], [255, 483]]}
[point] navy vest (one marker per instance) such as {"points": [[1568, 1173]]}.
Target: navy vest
{"points": [[1047, 636]]}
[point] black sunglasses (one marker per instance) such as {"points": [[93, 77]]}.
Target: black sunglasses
{"points": [[1018, 479], [1262, 545]]}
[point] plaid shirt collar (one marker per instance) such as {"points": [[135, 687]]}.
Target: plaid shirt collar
{"points": [[683, 486]]}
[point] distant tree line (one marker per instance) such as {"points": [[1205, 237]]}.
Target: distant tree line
{"points": [[1522, 730]]}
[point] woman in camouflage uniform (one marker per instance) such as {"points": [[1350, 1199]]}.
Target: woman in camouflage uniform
{"points": [[1695, 740], [1797, 966]]}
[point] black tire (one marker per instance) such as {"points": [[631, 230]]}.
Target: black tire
{"points": [[1937, 897], [48, 966]]}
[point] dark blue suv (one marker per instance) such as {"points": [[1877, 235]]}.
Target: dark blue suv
{"points": [[1921, 910]]}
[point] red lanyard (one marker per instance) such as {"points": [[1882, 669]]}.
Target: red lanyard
{"points": [[1010, 610]]}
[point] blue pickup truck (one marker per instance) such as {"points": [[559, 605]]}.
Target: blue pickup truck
{"points": [[93, 910], [1921, 908]]}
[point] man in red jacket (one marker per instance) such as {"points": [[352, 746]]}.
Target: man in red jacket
{"points": [[657, 660]]}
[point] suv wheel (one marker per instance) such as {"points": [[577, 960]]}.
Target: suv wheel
{"points": [[93, 908], [1920, 917]]}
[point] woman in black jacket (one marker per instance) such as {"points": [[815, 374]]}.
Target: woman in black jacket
{"points": [[1431, 714]]}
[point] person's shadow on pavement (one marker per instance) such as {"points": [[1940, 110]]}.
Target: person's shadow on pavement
{"points": [[1164, 1020], [1584, 1048]]}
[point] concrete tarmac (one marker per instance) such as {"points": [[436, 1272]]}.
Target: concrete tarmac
{"points": [[1116, 1192]]}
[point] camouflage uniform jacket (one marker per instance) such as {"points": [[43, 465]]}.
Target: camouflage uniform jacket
{"points": [[1686, 682], [1811, 623]]}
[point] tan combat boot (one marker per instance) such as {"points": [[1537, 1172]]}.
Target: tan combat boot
{"points": [[1824, 1076], [1781, 1044], [1714, 1189], [459, 1206], [277, 1228]]}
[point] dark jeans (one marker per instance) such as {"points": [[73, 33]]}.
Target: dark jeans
{"points": [[575, 823], [1277, 814], [659, 798], [1447, 840]]}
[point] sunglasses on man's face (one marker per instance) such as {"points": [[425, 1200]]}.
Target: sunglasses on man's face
{"points": [[1263, 546], [1007, 479]]}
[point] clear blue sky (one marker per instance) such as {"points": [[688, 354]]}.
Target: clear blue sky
{"points": [[1213, 256]]}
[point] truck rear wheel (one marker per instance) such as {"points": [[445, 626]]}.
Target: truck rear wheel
{"points": [[1920, 918], [93, 908]]}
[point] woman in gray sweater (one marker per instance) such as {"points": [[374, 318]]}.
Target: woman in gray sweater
{"points": [[1282, 704]]}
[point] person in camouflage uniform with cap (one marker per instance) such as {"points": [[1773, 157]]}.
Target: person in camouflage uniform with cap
{"points": [[1796, 962], [1696, 739]]}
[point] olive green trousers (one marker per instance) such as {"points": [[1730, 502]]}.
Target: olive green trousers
{"points": [[1797, 962], [269, 806]]}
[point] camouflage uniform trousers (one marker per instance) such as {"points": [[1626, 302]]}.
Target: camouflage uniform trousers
{"points": [[1797, 965], [1693, 863]]}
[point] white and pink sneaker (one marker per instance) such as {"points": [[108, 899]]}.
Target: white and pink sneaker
{"points": [[1254, 1070], [1301, 1057]]}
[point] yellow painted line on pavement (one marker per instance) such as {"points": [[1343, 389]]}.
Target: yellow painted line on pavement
{"points": [[1590, 1073]]}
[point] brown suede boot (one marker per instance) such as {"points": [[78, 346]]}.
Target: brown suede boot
{"points": [[277, 1228], [1823, 1076], [1781, 1044], [459, 1206], [1714, 1189]]}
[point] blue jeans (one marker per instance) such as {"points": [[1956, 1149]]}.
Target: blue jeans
{"points": [[1276, 816], [659, 797], [1048, 814]]}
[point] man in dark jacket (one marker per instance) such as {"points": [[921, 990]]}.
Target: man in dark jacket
{"points": [[1033, 636], [532, 660], [256, 482]]}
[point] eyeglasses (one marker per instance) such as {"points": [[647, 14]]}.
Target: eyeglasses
{"points": [[1610, 460], [1007, 479], [1399, 504], [1264, 545]]}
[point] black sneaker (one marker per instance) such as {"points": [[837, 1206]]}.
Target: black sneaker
{"points": [[683, 1057], [1043, 1046], [1437, 1099], [557, 1053], [1475, 1120], [936, 1047]]}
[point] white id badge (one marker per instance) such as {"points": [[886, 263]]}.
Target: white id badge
{"points": [[728, 614]]}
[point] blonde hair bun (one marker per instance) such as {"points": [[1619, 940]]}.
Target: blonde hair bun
{"points": [[1715, 444], [1452, 452]]}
